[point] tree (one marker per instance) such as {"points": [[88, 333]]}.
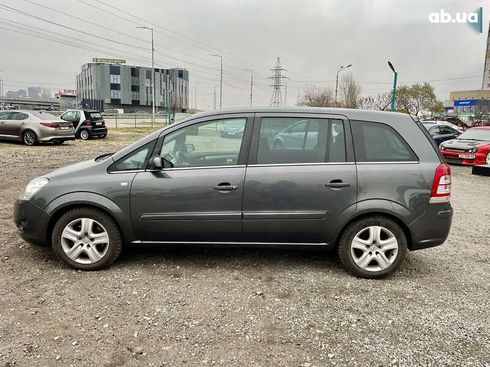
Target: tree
{"points": [[350, 91], [417, 98], [379, 102], [315, 96]]}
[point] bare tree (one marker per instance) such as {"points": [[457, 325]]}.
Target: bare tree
{"points": [[379, 102], [350, 91], [315, 96]]}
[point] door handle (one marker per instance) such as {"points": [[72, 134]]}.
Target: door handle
{"points": [[225, 186], [337, 184]]}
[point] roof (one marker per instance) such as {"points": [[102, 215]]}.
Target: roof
{"points": [[347, 112]]}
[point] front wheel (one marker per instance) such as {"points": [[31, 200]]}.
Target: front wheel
{"points": [[86, 239], [372, 247]]}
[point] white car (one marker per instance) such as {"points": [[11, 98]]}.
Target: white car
{"points": [[445, 123], [87, 123]]}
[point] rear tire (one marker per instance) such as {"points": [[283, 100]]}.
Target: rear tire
{"points": [[29, 138], [86, 239], [84, 135], [372, 247]]}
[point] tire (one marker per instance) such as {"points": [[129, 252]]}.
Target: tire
{"points": [[84, 135], [29, 138], [372, 247], [80, 251]]}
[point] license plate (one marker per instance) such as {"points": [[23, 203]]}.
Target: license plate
{"points": [[98, 123], [65, 127], [467, 156]]}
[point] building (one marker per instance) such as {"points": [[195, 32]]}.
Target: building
{"points": [[17, 93], [67, 99], [108, 84], [486, 72], [38, 93], [468, 103]]}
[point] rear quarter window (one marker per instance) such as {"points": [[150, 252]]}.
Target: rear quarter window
{"points": [[378, 142]]}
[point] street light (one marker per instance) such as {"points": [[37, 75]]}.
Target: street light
{"points": [[220, 81], [152, 76], [337, 82], [251, 85], [395, 77]]}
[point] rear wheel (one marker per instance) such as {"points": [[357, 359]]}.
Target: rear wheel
{"points": [[84, 135], [86, 239], [29, 138], [372, 247]]}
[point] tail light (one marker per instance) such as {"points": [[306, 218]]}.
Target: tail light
{"points": [[54, 125], [87, 123], [441, 188]]}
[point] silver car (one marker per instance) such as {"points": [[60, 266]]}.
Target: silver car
{"points": [[32, 127]]}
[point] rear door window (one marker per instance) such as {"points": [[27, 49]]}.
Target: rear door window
{"points": [[93, 115], [378, 142], [292, 140]]}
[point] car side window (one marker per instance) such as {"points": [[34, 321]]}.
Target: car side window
{"points": [[210, 143], [18, 116], [4, 115], [314, 141], [446, 130], [135, 160], [378, 142]]}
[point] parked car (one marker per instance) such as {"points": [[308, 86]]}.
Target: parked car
{"points": [[32, 127], [231, 129], [373, 191], [87, 123], [444, 123], [114, 111], [470, 148], [441, 133]]}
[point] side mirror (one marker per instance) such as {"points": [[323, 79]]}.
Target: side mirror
{"points": [[157, 162], [190, 148]]}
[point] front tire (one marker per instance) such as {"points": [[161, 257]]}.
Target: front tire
{"points": [[86, 239], [29, 138], [372, 247]]}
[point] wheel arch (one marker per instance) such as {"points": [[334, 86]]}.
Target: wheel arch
{"points": [[399, 216], [65, 203]]}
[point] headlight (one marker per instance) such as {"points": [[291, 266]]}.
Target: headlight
{"points": [[441, 147], [473, 150], [488, 158], [33, 187]]}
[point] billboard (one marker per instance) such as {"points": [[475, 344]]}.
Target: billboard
{"points": [[465, 102], [108, 61]]}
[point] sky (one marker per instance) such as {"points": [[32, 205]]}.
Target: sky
{"points": [[313, 38]]}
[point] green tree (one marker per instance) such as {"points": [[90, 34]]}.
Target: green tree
{"points": [[417, 98]]}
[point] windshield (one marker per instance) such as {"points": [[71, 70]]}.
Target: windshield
{"points": [[476, 134]]}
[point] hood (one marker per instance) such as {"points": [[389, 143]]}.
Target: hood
{"points": [[463, 144], [77, 168]]}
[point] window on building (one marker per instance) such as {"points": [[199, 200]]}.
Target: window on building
{"points": [[135, 72], [148, 74], [377, 142], [115, 79], [135, 95], [116, 86], [135, 88], [115, 70], [115, 94]]}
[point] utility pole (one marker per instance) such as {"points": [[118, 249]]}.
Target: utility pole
{"points": [[395, 78], [276, 99], [337, 82], [220, 81], [153, 103], [195, 96], [251, 85], [214, 99], [2, 100]]}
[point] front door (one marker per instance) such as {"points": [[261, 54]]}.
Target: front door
{"points": [[197, 196], [295, 190], [3, 124]]}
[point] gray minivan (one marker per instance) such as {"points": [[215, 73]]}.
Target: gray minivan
{"points": [[371, 185]]}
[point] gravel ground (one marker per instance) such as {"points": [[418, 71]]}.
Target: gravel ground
{"points": [[200, 306]]}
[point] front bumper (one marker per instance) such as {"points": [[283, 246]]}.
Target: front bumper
{"points": [[455, 158], [432, 228], [31, 222]]}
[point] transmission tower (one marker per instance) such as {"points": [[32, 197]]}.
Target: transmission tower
{"points": [[277, 77]]}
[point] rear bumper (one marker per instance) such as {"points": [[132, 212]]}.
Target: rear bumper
{"points": [[432, 228], [57, 137], [98, 132], [31, 222]]}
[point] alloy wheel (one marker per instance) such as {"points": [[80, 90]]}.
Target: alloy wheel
{"points": [[84, 134], [85, 241], [374, 248], [30, 137]]}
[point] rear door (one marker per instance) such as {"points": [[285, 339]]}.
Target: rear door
{"points": [[13, 125], [3, 124], [295, 191]]}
